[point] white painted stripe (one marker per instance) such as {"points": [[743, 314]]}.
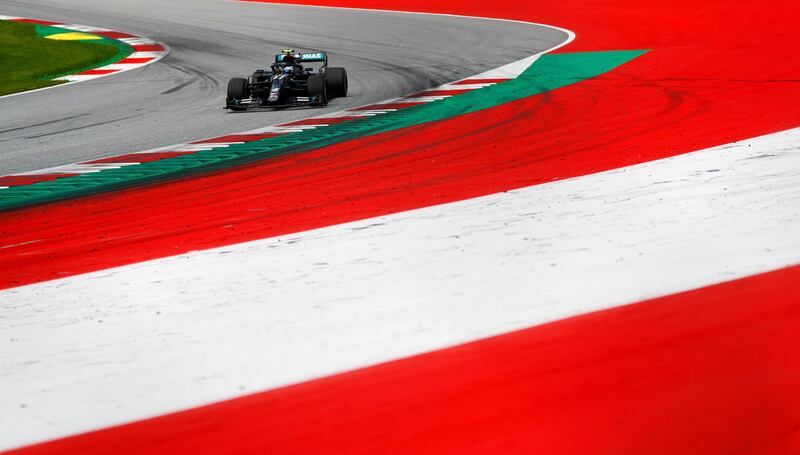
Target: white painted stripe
{"points": [[342, 114], [147, 54], [83, 28], [475, 78], [376, 111], [510, 71], [287, 130], [200, 147], [118, 164], [136, 41], [295, 128], [217, 144], [195, 147], [78, 78], [266, 129], [86, 77], [172, 148], [98, 29], [423, 99], [126, 343], [146, 152], [366, 113], [427, 94], [185, 148], [463, 86], [77, 168], [317, 124], [120, 66], [91, 168], [9, 18]]}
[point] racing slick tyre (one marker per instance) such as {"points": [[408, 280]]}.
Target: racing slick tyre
{"points": [[337, 82], [237, 88], [317, 87]]}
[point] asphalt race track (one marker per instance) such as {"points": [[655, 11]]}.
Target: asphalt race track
{"points": [[180, 98]]}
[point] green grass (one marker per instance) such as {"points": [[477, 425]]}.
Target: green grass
{"points": [[28, 61]]}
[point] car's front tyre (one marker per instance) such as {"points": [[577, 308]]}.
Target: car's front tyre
{"points": [[237, 88]]}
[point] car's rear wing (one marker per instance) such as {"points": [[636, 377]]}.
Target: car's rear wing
{"points": [[307, 57]]}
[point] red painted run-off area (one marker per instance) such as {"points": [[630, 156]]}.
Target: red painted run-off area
{"points": [[718, 71], [707, 372]]}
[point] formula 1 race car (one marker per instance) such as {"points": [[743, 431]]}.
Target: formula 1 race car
{"points": [[288, 83]]}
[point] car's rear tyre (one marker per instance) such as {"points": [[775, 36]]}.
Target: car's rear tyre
{"points": [[337, 82], [318, 88], [237, 88]]}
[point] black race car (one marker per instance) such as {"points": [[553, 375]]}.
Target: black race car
{"points": [[289, 83]]}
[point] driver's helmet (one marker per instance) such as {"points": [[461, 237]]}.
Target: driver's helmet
{"points": [[288, 70], [289, 57]]}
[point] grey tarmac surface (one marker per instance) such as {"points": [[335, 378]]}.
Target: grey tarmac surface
{"points": [[180, 98]]}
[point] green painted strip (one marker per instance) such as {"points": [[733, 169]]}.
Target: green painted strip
{"points": [[548, 73], [123, 49]]}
